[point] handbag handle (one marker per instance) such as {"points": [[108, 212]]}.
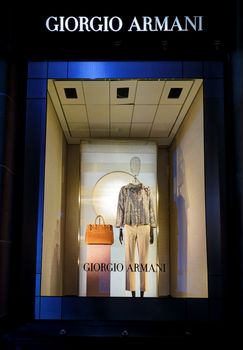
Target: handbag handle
{"points": [[100, 217]]}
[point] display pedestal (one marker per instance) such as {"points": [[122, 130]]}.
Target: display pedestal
{"points": [[98, 278]]}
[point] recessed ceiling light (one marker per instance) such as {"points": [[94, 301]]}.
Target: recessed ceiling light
{"points": [[175, 92], [70, 93], [122, 92]]}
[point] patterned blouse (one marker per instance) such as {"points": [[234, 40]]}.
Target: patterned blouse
{"points": [[135, 206]]}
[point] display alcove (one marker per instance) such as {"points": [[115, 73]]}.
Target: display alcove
{"points": [[185, 162]]}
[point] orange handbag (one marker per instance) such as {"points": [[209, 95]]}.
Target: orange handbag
{"points": [[99, 233]]}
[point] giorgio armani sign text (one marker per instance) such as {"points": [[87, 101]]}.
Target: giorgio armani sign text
{"points": [[116, 24], [119, 267]]}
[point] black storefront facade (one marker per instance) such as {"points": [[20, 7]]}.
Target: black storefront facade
{"points": [[214, 57]]}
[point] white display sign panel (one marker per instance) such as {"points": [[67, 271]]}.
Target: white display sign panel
{"points": [[105, 167]]}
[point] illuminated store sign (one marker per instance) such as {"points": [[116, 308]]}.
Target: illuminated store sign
{"points": [[116, 24]]}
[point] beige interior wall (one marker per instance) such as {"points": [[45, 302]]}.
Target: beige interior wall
{"points": [[163, 221], [72, 221], [188, 260], [54, 206]]}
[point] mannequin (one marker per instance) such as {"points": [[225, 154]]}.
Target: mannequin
{"points": [[136, 221]]}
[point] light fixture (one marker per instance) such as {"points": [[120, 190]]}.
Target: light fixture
{"points": [[122, 92], [70, 93], [175, 92]]}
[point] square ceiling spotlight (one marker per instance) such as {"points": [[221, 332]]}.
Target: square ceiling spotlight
{"points": [[70, 93], [122, 92], [175, 92]]}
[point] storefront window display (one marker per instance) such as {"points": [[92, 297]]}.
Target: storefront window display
{"points": [[177, 124], [158, 248]]}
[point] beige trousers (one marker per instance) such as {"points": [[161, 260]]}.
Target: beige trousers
{"points": [[136, 235]]}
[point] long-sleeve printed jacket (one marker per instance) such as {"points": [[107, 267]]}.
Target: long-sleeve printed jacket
{"points": [[135, 206]]}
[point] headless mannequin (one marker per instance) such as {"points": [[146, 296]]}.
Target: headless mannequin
{"points": [[151, 241]]}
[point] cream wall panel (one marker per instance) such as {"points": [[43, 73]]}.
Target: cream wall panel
{"points": [[72, 221], [54, 206], [188, 258]]}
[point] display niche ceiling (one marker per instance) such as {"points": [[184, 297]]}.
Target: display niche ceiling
{"points": [[122, 109]]}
